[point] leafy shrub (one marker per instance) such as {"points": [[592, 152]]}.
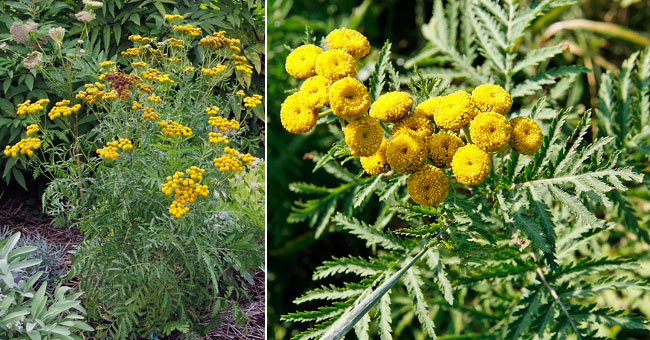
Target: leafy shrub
{"points": [[507, 256], [106, 35], [168, 235], [27, 313]]}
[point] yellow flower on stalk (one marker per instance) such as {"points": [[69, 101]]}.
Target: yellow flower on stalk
{"points": [[377, 163], [31, 128], [406, 153], [223, 123], [247, 158], [428, 186], [415, 123], [135, 37], [428, 107], [151, 74], [217, 137], [173, 42], [364, 136], [455, 110], [391, 106], [62, 109], [212, 110], [441, 148], [253, 101], [106, 63], [240, 93], [349, 98], [230, 161], [138, 64], [526, 137], [154, 98], [316, 91], [214, 71], [186, 190], [492, 98], [24, 146], [296, 116], [490, 131], [136, 106], [471, 165], [174, 129], [301, 62], [188, 69], [149, 113], [28, 107], [350, 41], [164, 78], [336, 64], [188, 29]]}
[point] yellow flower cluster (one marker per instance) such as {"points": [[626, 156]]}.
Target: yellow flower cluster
{"points": [[218, 40], [185, 190], [154, 98], [139, 64], [188, 69], [149, 113], [140, 39], [62, 109], [229, 161], [217, 137], [173, 42], [136, 105], [239, 57], [212, 110], [246, 68], [111, 148], [144, 87], [151, 74], [174, 129], [188, 29], [24, 146], [32, 128], [164, 78], [107, 63], [94, 93], [223, 123], [213, 71], [171, 17], [253, 100], [240, 93], [247, 158], [28, 107]]}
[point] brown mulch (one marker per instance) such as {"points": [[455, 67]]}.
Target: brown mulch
{"points": [[20, 212]]}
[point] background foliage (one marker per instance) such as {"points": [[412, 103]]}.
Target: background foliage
{"points": [[408, 26]]}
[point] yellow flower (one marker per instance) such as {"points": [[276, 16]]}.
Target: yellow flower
{"points": [[349, 99], [428, 107], [174, 129], [62, 108], [185, 190], [106, 63], [415, 123], [139, 64], [171, 17], [364, 136], [31, 128], [377, 163], [28, 107], [455, 110], [154, 98], [217, 137], [316, 91], [471, 165], [188, 29], [223, 123], [391, 106], [301, 62], [149, 113], [490, 131], [406, 153], [24, 146], [526, 135], [212, 110], [253, 100], [350, 41], [441, 148], [229, 161], [136, 105], [336, 64], [492, 98], [296, 116], [428, 186], [214, 71]]}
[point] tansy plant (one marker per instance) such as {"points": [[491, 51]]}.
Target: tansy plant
{"points": [[165, 247], [470, 191]]}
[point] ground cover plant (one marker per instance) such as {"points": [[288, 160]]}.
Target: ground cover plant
{"points": [[485, 206], [151, 158]]}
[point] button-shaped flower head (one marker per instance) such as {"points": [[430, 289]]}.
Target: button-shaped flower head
{"points": [[296, 116], [492, 98], [364, 136], [377, 163], [455, 110], [526, 135], [441, 148], [471, 165], [490, 131], [336, 64], [428, 186], [349, 98], [301, 62], [391, 106], [350, 41], [316, 90], [406, 153]]}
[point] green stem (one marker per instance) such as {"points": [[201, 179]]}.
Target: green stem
{"points": [[324, 113]]}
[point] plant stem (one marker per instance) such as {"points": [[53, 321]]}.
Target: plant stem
{"points": [[324, 113]]}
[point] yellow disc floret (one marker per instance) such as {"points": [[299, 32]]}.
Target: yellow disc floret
{"points": [[301, 62], [492, 98], [455, 110], [415, 123], [336, 64], [377, 163], [428, 186], [391, 106], [490, 131], [526, 135], [351, 41], [406, 153], [428, 107], [471, 165], [316, 91], [349, 99], [441, 148], [296, 116], [364, 136]]}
